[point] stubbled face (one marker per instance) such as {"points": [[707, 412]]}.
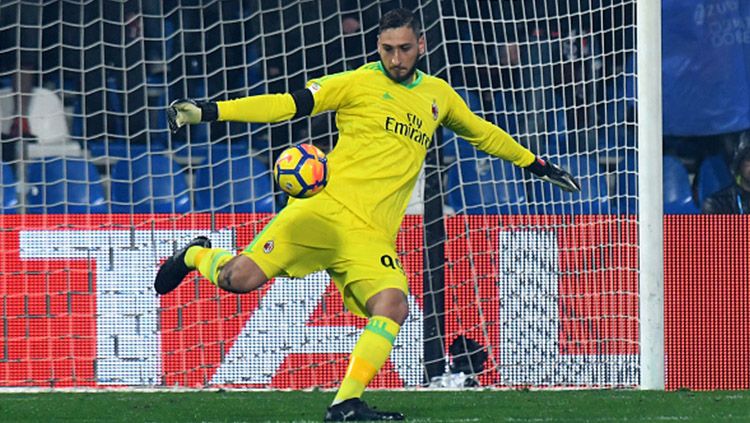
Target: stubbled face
{"points": [[399, 50]]}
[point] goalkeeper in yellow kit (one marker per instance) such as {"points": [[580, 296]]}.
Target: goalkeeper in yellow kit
{"points": [[387, 113]]}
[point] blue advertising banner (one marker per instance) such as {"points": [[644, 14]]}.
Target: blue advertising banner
{"points": [[706, 72]]}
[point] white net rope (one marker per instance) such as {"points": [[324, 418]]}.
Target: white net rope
{"points": [[522, 286], [556, 288]]}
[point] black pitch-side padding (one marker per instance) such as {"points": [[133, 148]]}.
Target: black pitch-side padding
{"points": [[304, 101], [433, 283]]}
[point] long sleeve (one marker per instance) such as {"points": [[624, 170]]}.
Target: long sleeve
{"points": [[484, 135], [258, 108], [329, 92]]}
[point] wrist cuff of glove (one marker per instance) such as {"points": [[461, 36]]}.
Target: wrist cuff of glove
{"points": [[209, 111], [538, 167]]}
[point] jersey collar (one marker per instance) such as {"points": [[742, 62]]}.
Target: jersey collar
{"points": [[410, 85]]}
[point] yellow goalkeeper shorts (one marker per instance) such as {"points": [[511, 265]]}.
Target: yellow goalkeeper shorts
{"points": [[318, 233]]}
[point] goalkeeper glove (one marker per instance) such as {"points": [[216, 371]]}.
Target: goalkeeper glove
{"points": [[188, 111], [548, 172]]}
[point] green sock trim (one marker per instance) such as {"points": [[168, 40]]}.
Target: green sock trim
{"points": [[214, 262], [378, 326]]}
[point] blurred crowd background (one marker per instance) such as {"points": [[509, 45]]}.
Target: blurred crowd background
{"points": [[84, 88]]}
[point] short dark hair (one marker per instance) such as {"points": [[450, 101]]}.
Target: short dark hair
{"points": [[398, 18]]}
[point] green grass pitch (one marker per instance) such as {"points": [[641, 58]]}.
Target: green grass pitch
{"points": [[445, 406]]}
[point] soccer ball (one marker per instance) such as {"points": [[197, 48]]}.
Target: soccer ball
{"points": [[301, 171]]}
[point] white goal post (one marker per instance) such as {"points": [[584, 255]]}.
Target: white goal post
{"points": [[651, 227]]}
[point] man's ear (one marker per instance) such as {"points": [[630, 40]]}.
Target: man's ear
{"points": [[422, 45]]}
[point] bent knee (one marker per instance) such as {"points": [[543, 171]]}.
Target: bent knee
{"points": [[241, 275], [391, 303], [401, 312], [398, 312]]}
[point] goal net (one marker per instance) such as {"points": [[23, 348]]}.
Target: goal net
{"points": [[513, 282]]}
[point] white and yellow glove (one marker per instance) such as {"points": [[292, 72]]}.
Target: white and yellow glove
{"points": [[188, 111]]}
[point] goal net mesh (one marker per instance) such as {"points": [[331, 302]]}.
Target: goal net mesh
{"points": [[513, 282]]}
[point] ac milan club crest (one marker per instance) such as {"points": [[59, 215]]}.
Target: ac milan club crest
{"points": [[435, 110], [268, 247]]}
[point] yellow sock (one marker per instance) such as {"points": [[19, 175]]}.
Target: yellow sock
{"points": [[194, 254], [372, 349], [208, 261]]}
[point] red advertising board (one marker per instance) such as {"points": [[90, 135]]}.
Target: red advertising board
{"points": [[707, 302], [552, 299]]}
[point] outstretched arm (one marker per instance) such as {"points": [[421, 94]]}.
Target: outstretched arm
{"points": [[258, 108], [495, 141]]}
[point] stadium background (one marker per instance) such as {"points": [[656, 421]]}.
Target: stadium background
{"points": [[76, 303]]}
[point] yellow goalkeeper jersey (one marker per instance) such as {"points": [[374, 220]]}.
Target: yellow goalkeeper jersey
{"points": [[385, 129]]}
